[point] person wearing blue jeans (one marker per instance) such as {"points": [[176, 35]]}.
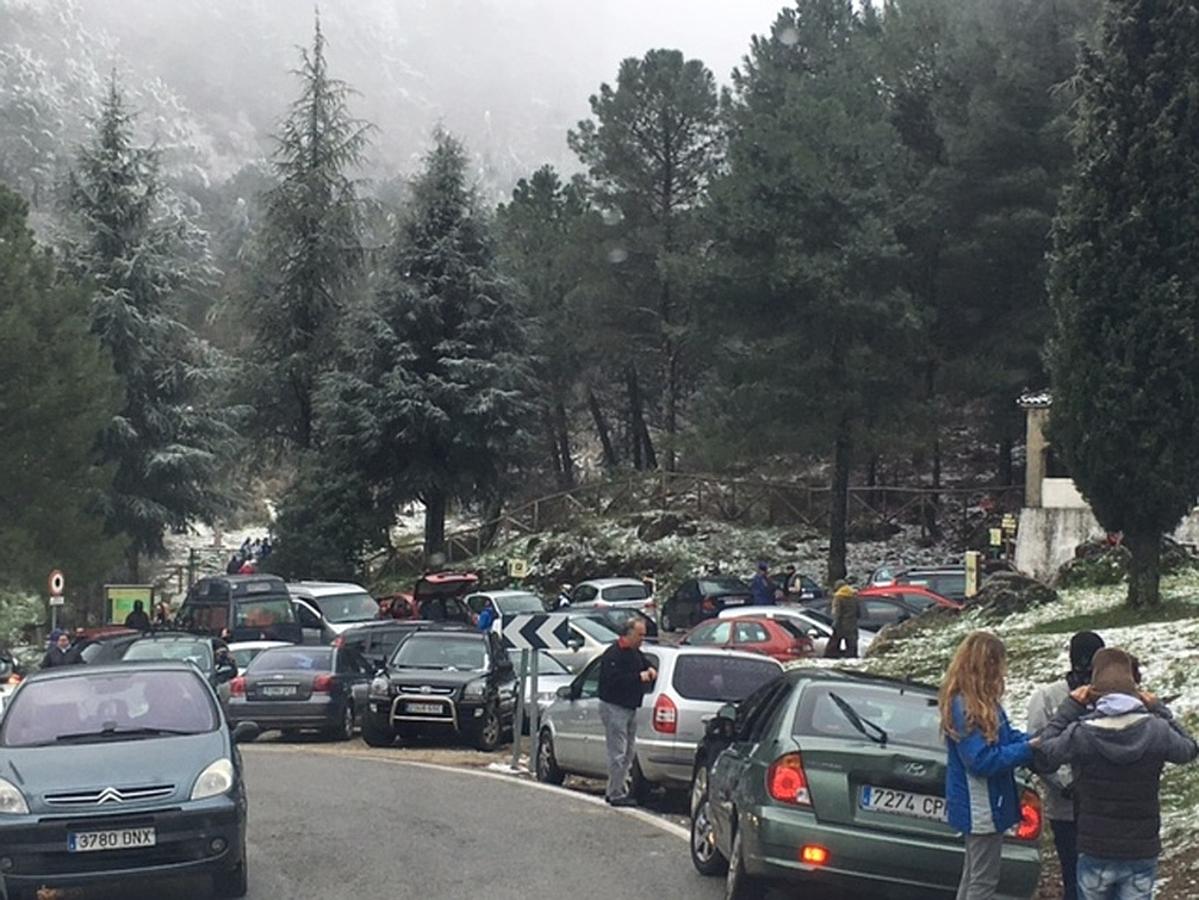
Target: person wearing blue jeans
{"points": [[1116, 740]]}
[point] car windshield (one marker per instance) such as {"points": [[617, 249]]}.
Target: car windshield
{"points": [[818, 615], [721, 679], [520, 603], [358, 606], [719, 587], [458, 654], [288, 659], [264, 612], [88, 708], [196, 652], [625, 592], [713, 633], [907, 716], [594, 628]]}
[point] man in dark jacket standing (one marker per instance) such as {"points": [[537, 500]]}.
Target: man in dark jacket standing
{"points": [[625, 675], [1116, 751]]}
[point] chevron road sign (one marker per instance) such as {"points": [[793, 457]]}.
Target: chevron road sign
{"points": [[537, 631]]}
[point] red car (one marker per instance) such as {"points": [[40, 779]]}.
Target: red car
{"points": [[437, 596], [919, 598], [779, 639]]}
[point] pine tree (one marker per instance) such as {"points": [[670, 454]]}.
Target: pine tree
{"points": [[57, 390], [1124, 356], [311, 251], [814, 320], [432, 401], [143, 256]]}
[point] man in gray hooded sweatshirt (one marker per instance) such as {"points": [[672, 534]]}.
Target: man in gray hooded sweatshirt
{"points": [[1116, 751]]}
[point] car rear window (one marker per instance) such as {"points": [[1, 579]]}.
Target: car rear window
{"points": [[198, 653], [723, 586], [626, 592], [264, 612], [907, 716], [720, 679], [356, 606], [88, 708], [286, 659]]}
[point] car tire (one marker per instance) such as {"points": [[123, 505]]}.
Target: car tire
{"points": [[705, 855], [739, 884], [377, 735], [699, 787], [235, 882], [344, 730], [546, 768], [487, 738]]}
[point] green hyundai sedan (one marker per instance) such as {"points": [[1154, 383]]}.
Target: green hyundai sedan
{"points": [[837, 778]]}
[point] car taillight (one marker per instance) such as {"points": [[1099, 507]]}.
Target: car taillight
{"points": [[813, 855], [322, 684], [666, 715], [237, 687], [1031, 817], [786, 781]]}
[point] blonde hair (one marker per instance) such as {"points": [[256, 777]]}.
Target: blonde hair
{"points": [[976, 674]]}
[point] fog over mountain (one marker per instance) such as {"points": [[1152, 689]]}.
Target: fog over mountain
{"points": [[510, 76]]}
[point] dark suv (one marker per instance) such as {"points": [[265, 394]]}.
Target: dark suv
{"points": [[458, 682]]}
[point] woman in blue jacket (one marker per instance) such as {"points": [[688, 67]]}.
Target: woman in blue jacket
{"points": [[984, 752]]}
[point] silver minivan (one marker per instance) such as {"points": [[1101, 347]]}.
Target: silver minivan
{"points": [[692, 684]]}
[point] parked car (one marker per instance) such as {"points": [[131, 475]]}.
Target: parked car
{"points": [[246, 652], [692, 683], [630, 593], [948, 581], [444, 682], [302, 689], [815, 624], [133, 757], [551, 675], [780, 639], [507, 604], [377, 641], [877, 611], [182, 647], [827, 778], [590, 634], [914, 596], [703, 598], [325, 609], [10, 676], [437, 597], [252, 607]]}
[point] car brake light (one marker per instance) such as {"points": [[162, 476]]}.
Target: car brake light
{"points": [[237, 687], [1031, 817], [813, 855], [786, 781], [666, 715], [323, 683]]}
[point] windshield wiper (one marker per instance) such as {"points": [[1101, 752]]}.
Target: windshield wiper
{"points": [[114, 732], [879, 736]]}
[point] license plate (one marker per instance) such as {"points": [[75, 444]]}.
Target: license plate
{"points": [[423, 709], [903, 803], [120, 839], [279, 690]]}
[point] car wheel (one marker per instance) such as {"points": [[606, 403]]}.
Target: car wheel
{"points": [[699, 787], [235, 882], [705, 855], [740, 885], [490, 731], [344, 730], [635, 784], [375, 734], [547, 763]]}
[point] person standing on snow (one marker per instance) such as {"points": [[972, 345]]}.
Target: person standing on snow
{"points": [[1116, 739], [761, 587], [1058, 791]]}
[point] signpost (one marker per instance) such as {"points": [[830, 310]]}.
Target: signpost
{"points": [[530, 634], [57, 585], [518, 569]]}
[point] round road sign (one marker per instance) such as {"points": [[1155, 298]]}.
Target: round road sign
{"points": [[57, 583]]}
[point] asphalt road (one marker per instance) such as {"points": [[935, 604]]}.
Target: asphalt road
{"points": [[335, 826]]}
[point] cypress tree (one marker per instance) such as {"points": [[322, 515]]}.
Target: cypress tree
{"points": [[1124, 282]]}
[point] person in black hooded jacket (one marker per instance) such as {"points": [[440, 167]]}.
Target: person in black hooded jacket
{"points": [[1116, 750]]}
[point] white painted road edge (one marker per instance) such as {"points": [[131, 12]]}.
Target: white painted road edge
{"points": [[648, 818]]}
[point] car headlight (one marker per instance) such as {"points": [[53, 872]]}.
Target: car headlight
{"points": [[476, 688], [12, 801], [380, 687], [215, 780]]}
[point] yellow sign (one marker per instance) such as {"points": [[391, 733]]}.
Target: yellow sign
{"points": [[972, 573], [996, 537], [1009, 523], [119, 600], [518, 568]]}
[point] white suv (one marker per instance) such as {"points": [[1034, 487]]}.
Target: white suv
{"points": [[327, 608]]}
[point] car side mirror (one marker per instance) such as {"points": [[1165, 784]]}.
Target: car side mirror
{"points": [[566, 692], [245, 732]]}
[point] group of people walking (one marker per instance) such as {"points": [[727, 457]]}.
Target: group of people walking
{"points": [[249, 556], [1099, 743]]}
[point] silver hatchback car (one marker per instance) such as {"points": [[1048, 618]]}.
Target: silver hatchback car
{"points": [[692, 684]]}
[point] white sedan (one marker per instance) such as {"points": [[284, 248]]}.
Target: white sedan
{"points": [[817, 625]]}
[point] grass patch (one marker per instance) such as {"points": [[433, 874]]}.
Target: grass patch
{"points": [[1122, 616]]}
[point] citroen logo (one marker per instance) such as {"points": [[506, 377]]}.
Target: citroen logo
{"points": [[425, 689], [110, 795]]}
